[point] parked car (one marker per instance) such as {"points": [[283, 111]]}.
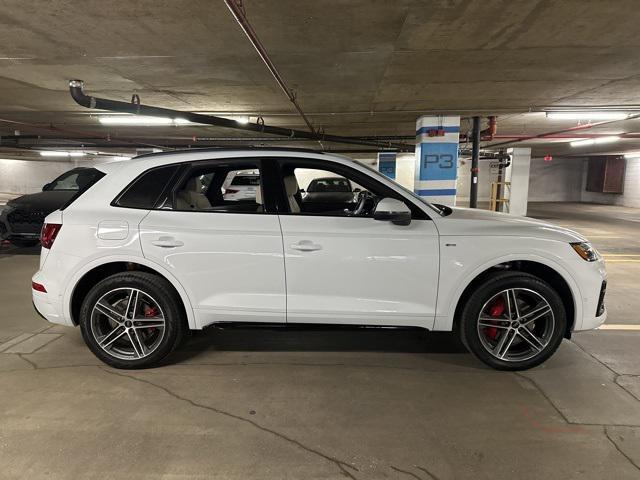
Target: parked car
{"points": [[21, 218], [135, 266], [242, 187]]}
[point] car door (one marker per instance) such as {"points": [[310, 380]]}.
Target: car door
{"points": [[226, 253], [347, 269]]}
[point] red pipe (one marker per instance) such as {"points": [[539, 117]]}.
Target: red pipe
{"points": [[488, 133]]}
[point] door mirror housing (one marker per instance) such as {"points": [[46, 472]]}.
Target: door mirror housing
{"points": [[392, 210]]}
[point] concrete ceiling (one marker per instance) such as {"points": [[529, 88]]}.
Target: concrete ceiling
{"points": [[358, 67]]}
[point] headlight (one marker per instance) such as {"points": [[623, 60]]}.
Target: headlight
{"points": [[586, 251]]}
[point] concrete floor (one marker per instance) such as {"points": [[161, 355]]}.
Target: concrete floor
{"points": [[326, 404]]}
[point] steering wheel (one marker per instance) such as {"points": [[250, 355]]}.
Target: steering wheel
{"points": [[363, 198]]}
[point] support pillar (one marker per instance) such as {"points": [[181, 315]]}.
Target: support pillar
{"points": [[518, 175], [436, 172], [387, 164]]}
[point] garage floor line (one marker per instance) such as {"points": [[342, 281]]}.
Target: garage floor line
{"points": [[256, 404]]}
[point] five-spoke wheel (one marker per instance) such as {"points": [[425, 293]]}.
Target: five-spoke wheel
{"points": [[131, 320], [513, 321]]}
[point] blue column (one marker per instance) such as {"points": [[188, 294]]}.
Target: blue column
{"points": [[387, 164], [436, 170]]}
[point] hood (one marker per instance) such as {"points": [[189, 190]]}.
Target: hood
{"points": [[475, 222], [47, 201]]}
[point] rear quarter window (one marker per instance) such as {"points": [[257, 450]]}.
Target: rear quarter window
{"points": [[83, 180], [144, 192]]}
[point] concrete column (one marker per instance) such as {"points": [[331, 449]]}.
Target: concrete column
{"points": [[518, 174], [437, 158], [387, 164]]}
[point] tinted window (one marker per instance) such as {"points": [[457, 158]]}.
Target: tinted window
{"points": [[76, 179], [221, 187], [329, 185], [82, 179], [146, 190]]}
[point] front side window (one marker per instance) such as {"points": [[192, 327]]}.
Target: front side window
{"points": [[333, 190], [221, 187]]}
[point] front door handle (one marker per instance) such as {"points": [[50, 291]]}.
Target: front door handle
{"points": [[167, 242], [306, 246]]}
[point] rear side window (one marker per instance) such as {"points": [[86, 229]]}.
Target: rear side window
{"points": [[77, 180], [145, 191]]}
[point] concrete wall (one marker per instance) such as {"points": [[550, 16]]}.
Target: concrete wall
{"points": [[631, 195], [559, 180]]}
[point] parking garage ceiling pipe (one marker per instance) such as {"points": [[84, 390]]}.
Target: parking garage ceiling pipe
{"points": [[237, 10], [77, 93], [564, 130]]}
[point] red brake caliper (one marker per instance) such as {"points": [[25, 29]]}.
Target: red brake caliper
{"points": [[150, 312], [495, 310]]}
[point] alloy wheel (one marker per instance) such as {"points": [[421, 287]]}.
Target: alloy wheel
{"points": [[516, 324], [127, 323]]}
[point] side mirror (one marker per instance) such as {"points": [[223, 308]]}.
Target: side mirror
{"points": [[45, 187], [356, 190], [392, 210]]}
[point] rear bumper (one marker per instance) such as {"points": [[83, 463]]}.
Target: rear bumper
{"points": [[48, 305]]}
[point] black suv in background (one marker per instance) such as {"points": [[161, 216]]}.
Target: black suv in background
{"points": [[21, 219]]}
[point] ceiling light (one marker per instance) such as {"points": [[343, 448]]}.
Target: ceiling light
{"points": [[587, 115], [243, 119], [140, 120], [593, 141], [632, 155], [54, 153]]}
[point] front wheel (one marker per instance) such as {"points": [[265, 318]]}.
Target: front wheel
{"points": [[132, 320], [513, 321]]}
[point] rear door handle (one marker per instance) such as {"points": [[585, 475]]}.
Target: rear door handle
{"points": [[306, 246], [167, 242]]}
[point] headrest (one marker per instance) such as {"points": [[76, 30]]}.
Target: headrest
{"points": [[290, 185], [193, 185], [259, 195]]}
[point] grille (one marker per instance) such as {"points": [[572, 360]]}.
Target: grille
{"points": [[26, 221], [603, 290]]}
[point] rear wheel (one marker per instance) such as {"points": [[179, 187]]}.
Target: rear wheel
{"points": [[132, 320], [513, 321]]}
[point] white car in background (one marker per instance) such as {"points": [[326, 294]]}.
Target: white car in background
{"points": [[150, 250], [242, 187]]}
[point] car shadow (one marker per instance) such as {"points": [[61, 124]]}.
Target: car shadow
{"points": [[318, 339]]}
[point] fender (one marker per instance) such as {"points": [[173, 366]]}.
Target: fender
{"points": [[444, 321], [75, 278]]}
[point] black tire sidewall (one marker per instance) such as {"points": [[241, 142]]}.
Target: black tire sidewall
{"points": [[489, 288], [161, 291]]}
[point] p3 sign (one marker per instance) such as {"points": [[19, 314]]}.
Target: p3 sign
{"points": [[438, 161]]}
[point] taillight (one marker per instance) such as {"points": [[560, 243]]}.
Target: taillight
{"points": [[49, 233], [38, 287]]}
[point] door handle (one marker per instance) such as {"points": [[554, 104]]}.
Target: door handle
{"points": [[167, 242], [306, 246]]}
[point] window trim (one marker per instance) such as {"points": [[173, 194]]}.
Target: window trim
{"points": [[417, 213]]}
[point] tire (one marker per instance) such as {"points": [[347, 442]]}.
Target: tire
{"points": [[130, 342], [532, 334], [24, 242]]}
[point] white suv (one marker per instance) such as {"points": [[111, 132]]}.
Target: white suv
{"points": [[148, 252]]}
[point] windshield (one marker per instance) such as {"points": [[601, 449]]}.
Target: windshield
{"points": [[438, 210], [75, 180]]}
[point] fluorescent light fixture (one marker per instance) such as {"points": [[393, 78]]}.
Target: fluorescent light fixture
{"points": [[587, 115], [54, 153], [595, 141], [140, 120], [243, 119], [121, 157], [632, 155]]}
